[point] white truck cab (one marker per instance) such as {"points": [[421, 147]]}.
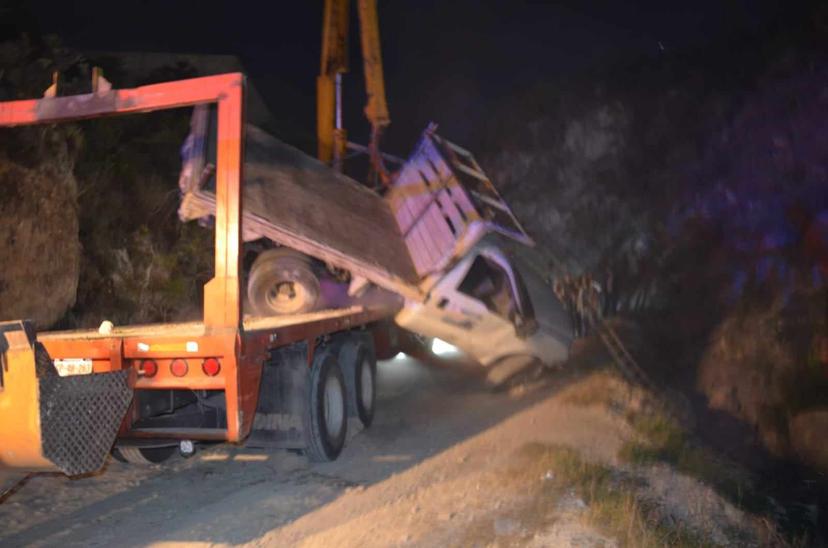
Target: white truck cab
{"points": [[493, 307]]}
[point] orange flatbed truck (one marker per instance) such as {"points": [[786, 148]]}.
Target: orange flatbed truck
{"points": [[66, 398]]}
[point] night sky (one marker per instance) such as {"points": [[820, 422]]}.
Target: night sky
{"points": [[445, 60]]}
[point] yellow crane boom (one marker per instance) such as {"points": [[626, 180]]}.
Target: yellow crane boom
{"points": [[332, 137]]}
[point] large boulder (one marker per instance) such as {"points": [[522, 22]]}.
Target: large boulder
{"points": [[39, 244]]}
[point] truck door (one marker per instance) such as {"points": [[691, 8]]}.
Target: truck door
{"points": [[482, 308]]}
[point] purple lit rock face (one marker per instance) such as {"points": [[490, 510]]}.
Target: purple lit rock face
{"points": [[763, 184]]}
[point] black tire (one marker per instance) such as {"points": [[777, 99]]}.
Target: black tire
{"points": [[366, 387], [416, 346], [360, 367], [325, 420], [144, 456], [386, 337], [282, 282]]}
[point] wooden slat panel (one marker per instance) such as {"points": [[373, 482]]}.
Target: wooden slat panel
{"points": [[436, 225], [420, 249], [460, 198], [406, 196], [440, 231], [432, 230]]}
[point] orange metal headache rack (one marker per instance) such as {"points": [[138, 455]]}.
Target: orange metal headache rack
{"points": [[69, 423]]}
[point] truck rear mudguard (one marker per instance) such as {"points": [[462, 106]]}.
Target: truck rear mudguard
{"points": [[49, 422]]}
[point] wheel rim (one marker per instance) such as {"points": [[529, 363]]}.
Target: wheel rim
{"points": [[366, 385], [286, 296], [334, 406]]}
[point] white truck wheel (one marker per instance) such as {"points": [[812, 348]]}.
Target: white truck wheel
{"points": [[282, 282]]}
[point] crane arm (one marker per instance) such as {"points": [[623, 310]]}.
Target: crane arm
{"points": [[331, 136], [376, 109]]}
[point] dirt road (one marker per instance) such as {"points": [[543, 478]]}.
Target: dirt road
{"points": [[434, 468]]}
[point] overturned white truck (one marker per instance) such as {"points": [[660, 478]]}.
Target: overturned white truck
{"points": [[436, 242]]}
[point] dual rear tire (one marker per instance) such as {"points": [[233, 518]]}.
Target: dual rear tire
{"points": [[342, 383], [325, 420]]}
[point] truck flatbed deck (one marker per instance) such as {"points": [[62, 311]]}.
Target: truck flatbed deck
{"points": [[197, 328], [295, 200]]}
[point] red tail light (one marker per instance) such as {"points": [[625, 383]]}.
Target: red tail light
{"points": [[211, 367], [179, 367], [148, 368]]}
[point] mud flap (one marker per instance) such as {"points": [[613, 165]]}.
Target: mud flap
{"points": [[282, 400], [79, 418], [48, 422]]}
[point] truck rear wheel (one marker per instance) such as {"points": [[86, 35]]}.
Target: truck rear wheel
{"points": [[144, 455], [325, 419], [282, 282], [360, 368], [366, 393]]}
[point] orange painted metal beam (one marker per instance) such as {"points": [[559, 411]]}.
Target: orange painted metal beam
{"points": [[221, 294], [181, 93], [221, 303]]}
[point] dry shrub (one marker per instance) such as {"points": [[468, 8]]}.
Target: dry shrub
{"points": [[761, 365]]}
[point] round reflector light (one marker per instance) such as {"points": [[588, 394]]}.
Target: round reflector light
{"points": [[211, 367], [179, 367], [148, 368]]}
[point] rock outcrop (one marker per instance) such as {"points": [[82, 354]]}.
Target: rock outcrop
{"points": [[39, 244]]}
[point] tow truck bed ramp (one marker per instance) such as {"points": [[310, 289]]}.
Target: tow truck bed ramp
{"points": [[299, 202]]}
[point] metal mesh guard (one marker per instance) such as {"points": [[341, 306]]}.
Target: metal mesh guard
{"points": [[79, 418]]}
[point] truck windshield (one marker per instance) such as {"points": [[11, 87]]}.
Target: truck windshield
{"points": [[487, 282]]}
